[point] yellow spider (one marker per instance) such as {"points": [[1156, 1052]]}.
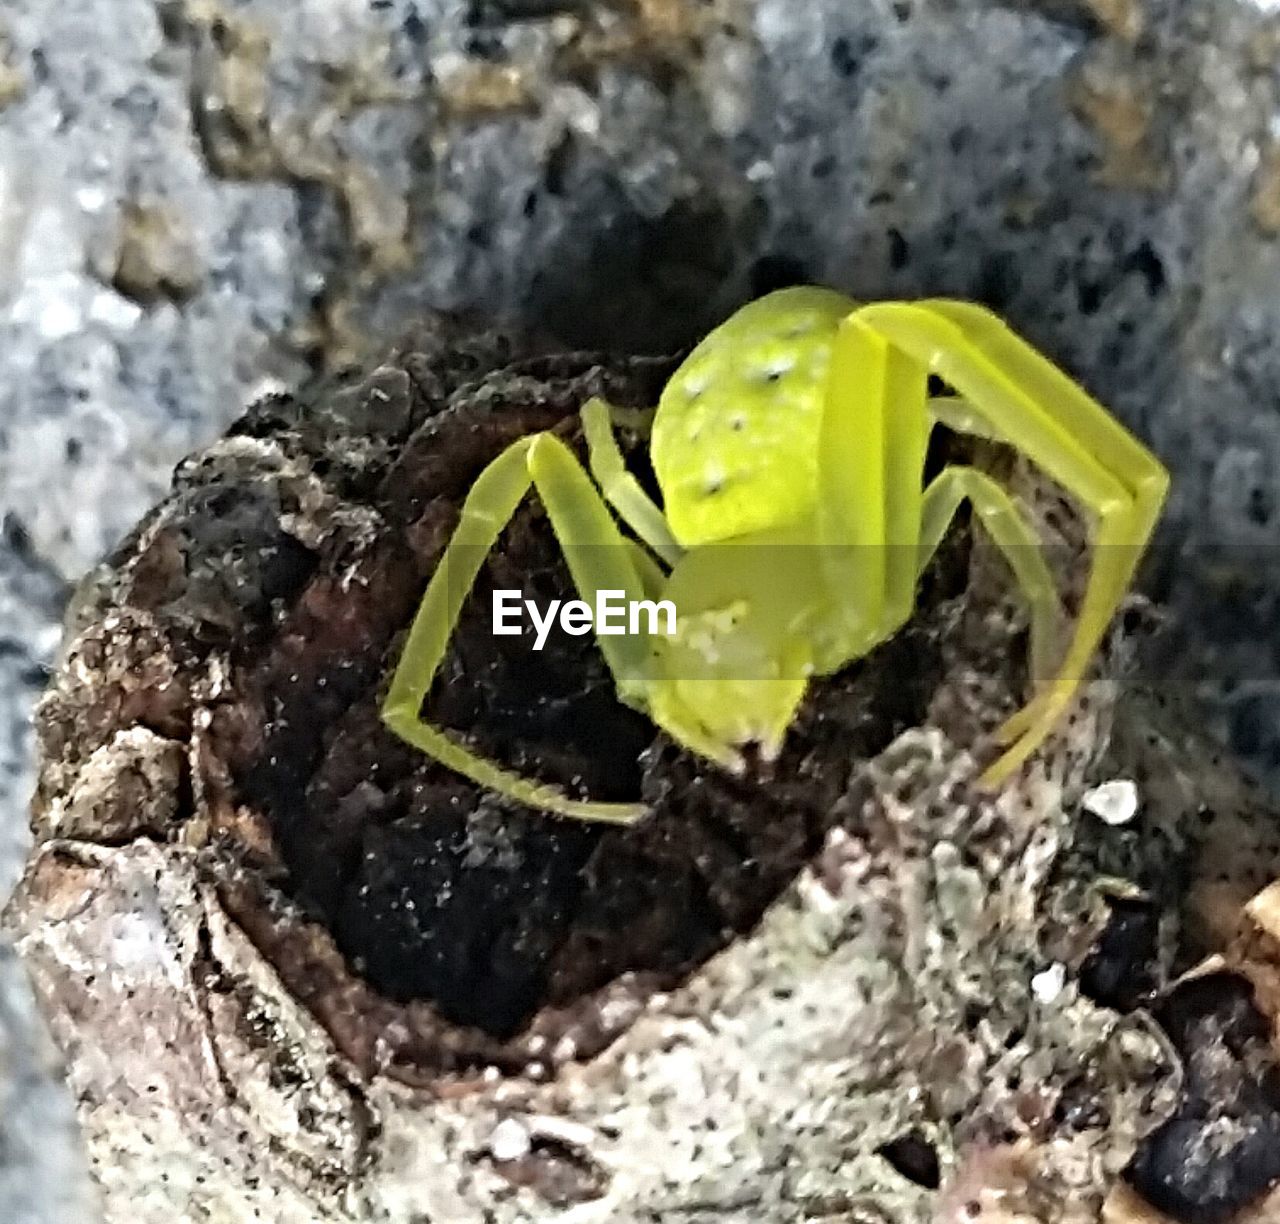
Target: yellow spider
{"points": [[789, 448]]}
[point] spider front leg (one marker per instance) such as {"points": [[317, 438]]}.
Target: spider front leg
{"points": [[1033, 406], [598, 558], [877, 414], [870, 455]]}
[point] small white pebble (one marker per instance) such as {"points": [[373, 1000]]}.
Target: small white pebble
{"points": [[58, 317], [91, 199], [113, 310], [1048, 983], [1115, 803], [510, 1141]]}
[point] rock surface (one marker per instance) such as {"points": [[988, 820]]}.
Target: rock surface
{"points": [[222, 197]]}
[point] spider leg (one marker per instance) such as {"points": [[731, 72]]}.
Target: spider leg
{"points": [[1031, 404], [601, 558], [878, 391], [652, 579], [620, 488], [886, 389], [1122, 535], [1017, 541], [598, 558], [635, 420], [870, 455], [959, 416]]}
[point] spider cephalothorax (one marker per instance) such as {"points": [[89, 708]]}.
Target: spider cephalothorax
{"points": [[789, 448]]}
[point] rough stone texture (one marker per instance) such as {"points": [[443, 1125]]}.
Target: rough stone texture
{"points": [[43, 1175], [946, 1006], [220, 197]]}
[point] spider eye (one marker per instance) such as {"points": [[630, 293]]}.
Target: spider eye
{"points": [[776, 365]]}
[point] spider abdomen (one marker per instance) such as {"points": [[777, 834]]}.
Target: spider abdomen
{"points": [[735, 439]]}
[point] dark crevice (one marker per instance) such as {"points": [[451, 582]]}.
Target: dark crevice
{"points": [[915, 1158], [1221, 1149], [1121, 969]]}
